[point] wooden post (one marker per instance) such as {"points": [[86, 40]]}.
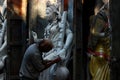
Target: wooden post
{"points": [[115, 53], [16, 28]]}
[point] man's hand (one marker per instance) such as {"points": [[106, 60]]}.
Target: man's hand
{"points": [[49, 63], [57, 60]]}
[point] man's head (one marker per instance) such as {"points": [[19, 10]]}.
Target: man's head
{"points": [[45, 45]]}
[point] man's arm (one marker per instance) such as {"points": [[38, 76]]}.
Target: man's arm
{"points": [[49, 63], [37, 62], [40, 65]]}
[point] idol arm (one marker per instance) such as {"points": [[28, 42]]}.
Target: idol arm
{"points": [[96, 33], [2, 61], [3, 30], [4, 9], [34, 34], [3, 46], [69, 39]]}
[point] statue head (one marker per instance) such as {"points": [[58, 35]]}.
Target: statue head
{"points": [[52, 12]]}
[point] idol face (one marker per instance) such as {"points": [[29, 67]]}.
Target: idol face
{"points": [[49, 14]]}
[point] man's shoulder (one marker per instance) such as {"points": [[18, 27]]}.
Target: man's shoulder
{"points": [[32, 48]]}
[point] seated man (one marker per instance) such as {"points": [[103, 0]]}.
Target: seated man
{"points": [[33, 63]]}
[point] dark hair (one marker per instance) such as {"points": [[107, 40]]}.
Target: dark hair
{"points": [[45, 45]]}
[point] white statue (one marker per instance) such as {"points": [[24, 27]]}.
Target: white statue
{"points": [[3, 44], [59, 33], [3, 39]]}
